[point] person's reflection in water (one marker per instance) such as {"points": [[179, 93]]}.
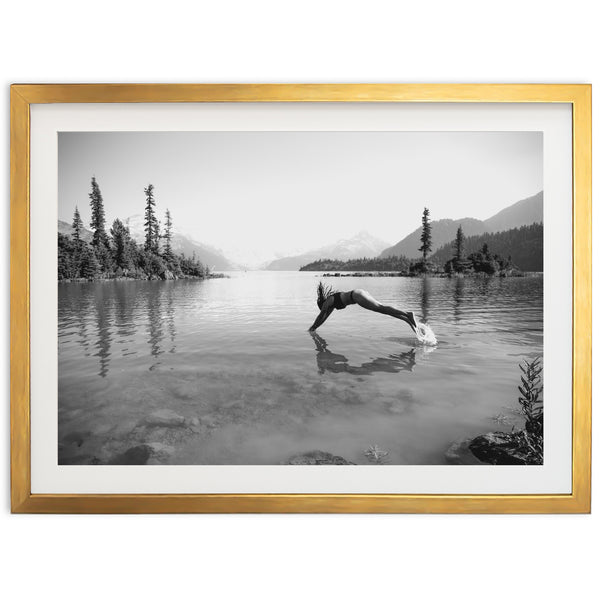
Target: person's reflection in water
{"points": [[338, 363]]}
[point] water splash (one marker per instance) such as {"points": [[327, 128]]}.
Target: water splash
{"points": [[425, 334]]}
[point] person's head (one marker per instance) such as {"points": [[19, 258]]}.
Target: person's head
{"points": [[323, 292]]}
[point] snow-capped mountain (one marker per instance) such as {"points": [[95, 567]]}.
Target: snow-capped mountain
{"points": [[362, 245]]}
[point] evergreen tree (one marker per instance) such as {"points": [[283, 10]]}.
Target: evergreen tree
{"points": [[77, 227], [150, 222], [88, 265], [483, 262], [425, 235], [459, 264], [66, 258], [98, 221], [103, 255], [168, 236], [459, 245], [121, 245]]}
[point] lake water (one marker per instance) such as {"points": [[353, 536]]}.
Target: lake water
{"points": [[224, 371]]}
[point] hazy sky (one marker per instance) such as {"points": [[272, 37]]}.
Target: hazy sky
{"points": [[291, 191]]}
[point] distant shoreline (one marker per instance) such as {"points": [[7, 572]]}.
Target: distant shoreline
{"points": [[109, 279], [436, 275]]}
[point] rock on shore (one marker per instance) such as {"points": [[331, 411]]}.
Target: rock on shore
{"points": [[318, 457]]}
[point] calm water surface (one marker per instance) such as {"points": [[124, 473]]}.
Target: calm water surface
{"points": [[237, 379]]}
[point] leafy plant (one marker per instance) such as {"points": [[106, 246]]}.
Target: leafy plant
{"points": [[530, 399], [519, 446]]}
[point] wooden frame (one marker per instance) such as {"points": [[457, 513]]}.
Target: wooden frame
{"points": [[23, 501]]}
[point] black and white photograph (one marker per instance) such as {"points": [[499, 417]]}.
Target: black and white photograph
{"points": [[300, 298]]}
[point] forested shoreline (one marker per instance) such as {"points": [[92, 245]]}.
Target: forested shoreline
{"points": [[116, 255], [509, 253]]}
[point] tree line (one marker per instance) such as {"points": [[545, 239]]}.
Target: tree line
{"points": [[115, 253], [390, 263], [519, 249]]}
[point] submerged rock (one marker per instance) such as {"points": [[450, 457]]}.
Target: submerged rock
{"points": [[160, 452], [459, 453], [193, 423], [76, 437], [164, 417], [152, 453], [138, 455], [318, 457]]}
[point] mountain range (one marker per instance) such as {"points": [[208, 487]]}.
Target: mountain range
{"points": [[184, 244], [524, 212], [361, 245], [66, 229]]}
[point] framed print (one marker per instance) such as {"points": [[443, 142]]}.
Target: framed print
{"points": [[301, 298]]}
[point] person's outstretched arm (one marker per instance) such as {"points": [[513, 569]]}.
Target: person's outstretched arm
{"points": [[322, 317]]}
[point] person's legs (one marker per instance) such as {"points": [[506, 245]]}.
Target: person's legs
{"points": [[364, 299]]}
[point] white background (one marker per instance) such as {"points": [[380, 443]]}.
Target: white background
{"points": [[363, 556]]}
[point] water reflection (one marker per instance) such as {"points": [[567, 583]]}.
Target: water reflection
{"points": [[338, 363], [96, 317], [104, 335], [124, 322], [458, 296], [81, 307], [154, 327], [425, 298], [170, 317]]}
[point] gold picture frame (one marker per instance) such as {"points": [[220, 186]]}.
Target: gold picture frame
{"points": [[23, 501]]}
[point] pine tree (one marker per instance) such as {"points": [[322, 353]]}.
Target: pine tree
{"points": [[98, 221], [459, 262], [121, 242], [459, 244], [150, 222], [88, 265], [77, 227], [67, 254], [104, 259], [425, 235], [167, 236]]}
